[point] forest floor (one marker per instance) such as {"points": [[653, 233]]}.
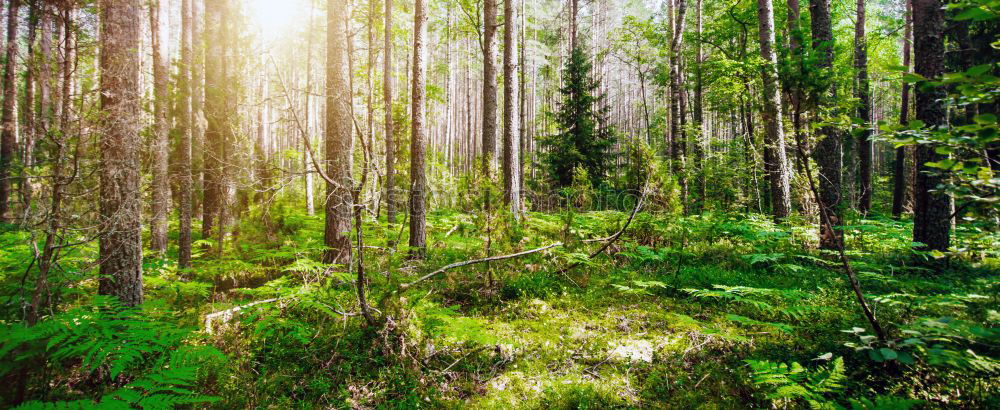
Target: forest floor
{"points": [[683, 312]]}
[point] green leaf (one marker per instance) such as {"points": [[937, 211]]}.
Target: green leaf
{"points": [[888, 354], [986, 119], [979, 70]]}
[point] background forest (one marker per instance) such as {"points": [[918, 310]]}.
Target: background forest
{"points": [[500, 204]]}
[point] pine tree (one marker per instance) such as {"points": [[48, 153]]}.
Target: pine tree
{"points": [[584, 137]]}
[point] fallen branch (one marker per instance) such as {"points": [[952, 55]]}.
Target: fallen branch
{"points": [[613, 238], [475, 261], [224, 316]]}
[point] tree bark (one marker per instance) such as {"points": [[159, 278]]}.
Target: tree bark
{"points": [[699, 114], [159, 26], [489, 86], [390, 144], [829, 149], [339, 131], [184, 145], [511, 140], [8, 137], [774, 137], [214, 107], [418, 179], [120, 199], [899, 178], [932, 211], [866, 147]]}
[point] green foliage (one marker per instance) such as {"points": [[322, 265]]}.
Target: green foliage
{"points": [[791, 382], [584, 139], [113, 342]]}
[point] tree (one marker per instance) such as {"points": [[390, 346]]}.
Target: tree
{"points": [[418, 177], [184, 145], [699, 112], [678, 115], [215, 96], [511, 141], [338, 141], [159, 26], [489, 87], [120, 199], [899, 179], [390, 139], [777, 167], [829, 150], [581, 140], [866, 147], [932, 210], [8, 136]]}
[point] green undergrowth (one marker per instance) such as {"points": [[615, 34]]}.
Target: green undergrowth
{"points": [[713, 311]]}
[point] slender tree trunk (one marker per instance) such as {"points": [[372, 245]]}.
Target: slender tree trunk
{"points": [[390, 145], [677, 117], [8, 137], [159, 26], [307, 179], [829, 149], [932, 213], [418, 179], [866, 147], [699, 116], [511, 142], [574, 8], [899, 178], [489, 87], [215, 115], [198, 120], [120, 199], [339, 127], [184, 145], [774, 137], [370, 107]]}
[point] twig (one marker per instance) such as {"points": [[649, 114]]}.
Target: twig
{"points": [[475, 261], [613, 238]]}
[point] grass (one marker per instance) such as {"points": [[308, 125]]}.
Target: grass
{"points": [[666, 320]]}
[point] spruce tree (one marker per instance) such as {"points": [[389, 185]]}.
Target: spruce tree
{"points": [[584, 137]]}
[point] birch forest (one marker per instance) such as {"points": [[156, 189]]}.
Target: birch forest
{"points": [[499, 204]]}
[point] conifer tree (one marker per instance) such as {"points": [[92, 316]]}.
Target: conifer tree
{"points": [[584, 137]]}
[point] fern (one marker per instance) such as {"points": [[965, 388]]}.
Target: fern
{"points": [[794, 382], [123, 341]]}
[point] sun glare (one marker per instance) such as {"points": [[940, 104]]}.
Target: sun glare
{"points": [[273, 19]]}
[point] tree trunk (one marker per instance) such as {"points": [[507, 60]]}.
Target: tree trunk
{"points": [[390, 144], [866, 147], [339, 127], [184, 145], [418, 179], [699, 116], [931, 220], [489, 87], [159, 26], [8, 137], [198, 121], [120, 199], [215, 115], [774, 137], [511, 140], [829, 149], [899, 178]]}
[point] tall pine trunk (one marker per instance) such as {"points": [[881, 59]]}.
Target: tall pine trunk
{"points": [[159, 25], [511, 140], [489, 87], [184, 183], [390, 144], [120, 199], [932, 211], [829, 150], [774, 137], [899, 179], [339, 131], [418, 179], [865, 145], [8, 136]]}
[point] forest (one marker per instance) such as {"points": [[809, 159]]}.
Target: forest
{"points": [[495, 204]]}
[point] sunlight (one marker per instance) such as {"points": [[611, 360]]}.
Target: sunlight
{"points": [[271, 19]]}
